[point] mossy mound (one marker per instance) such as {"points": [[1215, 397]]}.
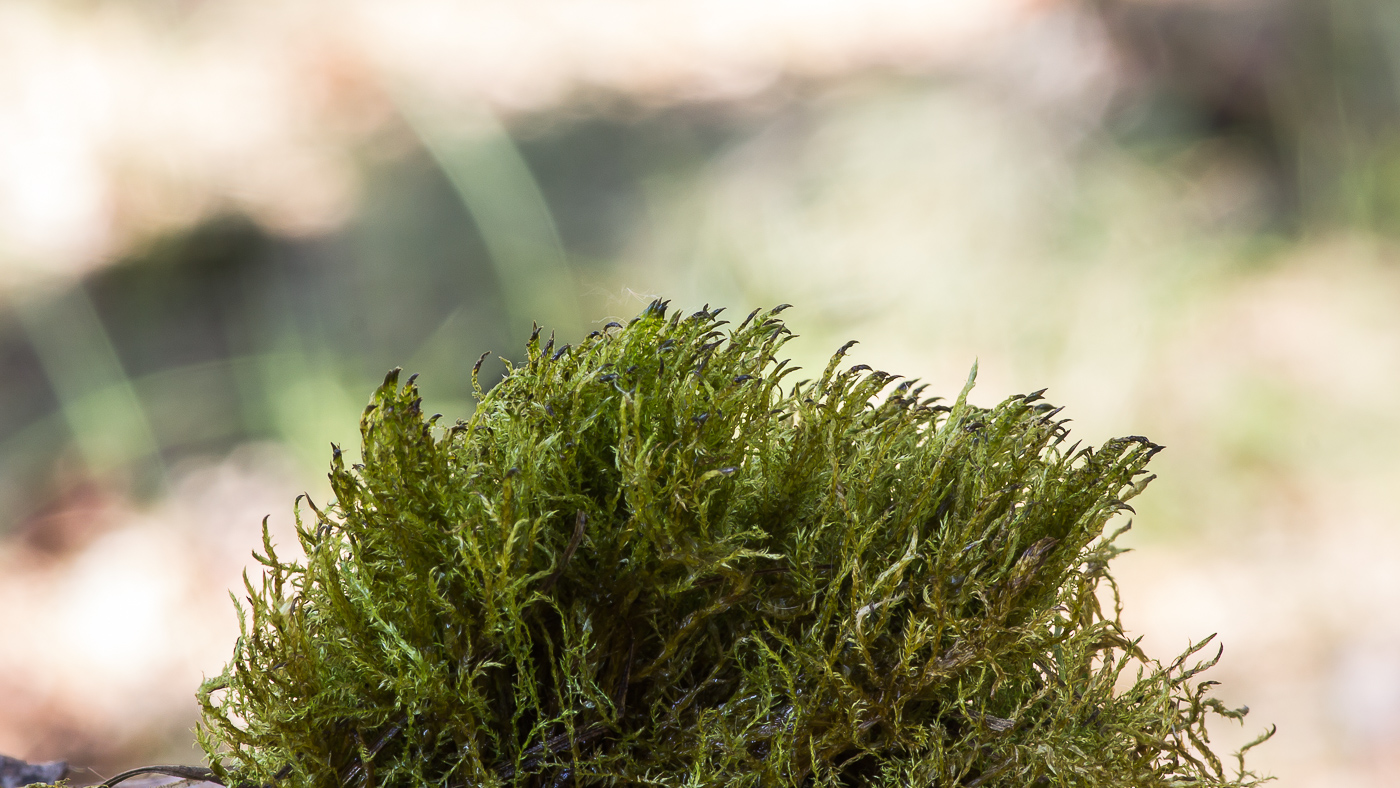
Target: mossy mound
{"points": [[643, 560]]}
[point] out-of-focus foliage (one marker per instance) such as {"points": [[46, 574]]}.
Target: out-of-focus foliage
{"points": [[227, 333], [1306, 92], [645, 560]]}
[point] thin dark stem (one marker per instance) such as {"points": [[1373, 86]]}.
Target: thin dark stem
{"points": [[185, 772]]}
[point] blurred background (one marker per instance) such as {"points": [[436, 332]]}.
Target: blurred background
{"points": [[221, 223]]}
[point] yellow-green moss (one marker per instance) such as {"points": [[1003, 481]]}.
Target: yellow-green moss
{"points": [[647, 559]]}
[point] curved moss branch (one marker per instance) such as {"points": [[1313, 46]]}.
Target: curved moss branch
{"points": [[651, 559]]}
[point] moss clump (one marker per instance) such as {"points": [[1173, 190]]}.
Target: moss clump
{"points": [[644, 560]]}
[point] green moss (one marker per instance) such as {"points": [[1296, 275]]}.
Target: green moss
{"points": [[647, 559]]}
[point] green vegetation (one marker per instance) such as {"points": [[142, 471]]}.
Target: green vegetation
{"points": [[648, 560]]}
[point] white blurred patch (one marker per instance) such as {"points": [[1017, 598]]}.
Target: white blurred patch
{"points": [[108, 644], [1364, 694]]}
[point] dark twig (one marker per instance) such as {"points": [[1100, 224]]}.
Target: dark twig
{"points": [[184, 772], [579, 523]]}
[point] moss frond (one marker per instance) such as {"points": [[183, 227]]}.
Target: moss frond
{"points": [[648, 559]]}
